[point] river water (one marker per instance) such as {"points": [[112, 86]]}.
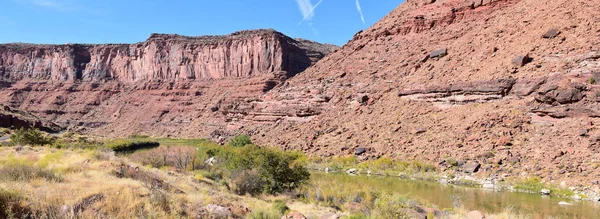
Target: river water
{"points": [[444, 196]]}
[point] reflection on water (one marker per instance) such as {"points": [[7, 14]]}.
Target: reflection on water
{"points": [[472, 198]]}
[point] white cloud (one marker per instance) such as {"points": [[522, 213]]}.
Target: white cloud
{"points": [[307, 9], [360, 11]]}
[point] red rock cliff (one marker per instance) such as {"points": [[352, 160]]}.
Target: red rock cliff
{"points": [[163, 58]]}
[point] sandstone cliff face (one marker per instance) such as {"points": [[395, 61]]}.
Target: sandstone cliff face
{"points": [[163, 58]]}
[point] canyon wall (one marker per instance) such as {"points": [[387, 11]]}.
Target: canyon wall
{"points": [[163, 58]]}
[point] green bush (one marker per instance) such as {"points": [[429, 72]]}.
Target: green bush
{"points": [[592, 80], [4, 131], [281, 207], [240, 141], [251, 167], [32, 137], [281, 171], [128, 145]]}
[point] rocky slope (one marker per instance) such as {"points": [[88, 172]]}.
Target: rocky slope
{"points": [[508, 85]]}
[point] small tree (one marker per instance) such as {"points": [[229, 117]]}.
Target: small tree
{"points": [[240, 141], [32, 137]]}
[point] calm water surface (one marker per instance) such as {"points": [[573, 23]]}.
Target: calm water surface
{"points": [[472, 198]]}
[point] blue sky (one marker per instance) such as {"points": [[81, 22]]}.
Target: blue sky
{"points": [[130, 21]]}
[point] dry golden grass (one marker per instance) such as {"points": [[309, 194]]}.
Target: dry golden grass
{"points": [[85, 173]]}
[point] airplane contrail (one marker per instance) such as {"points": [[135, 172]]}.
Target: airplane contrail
{"points": [[360, 11], [309, 13]]}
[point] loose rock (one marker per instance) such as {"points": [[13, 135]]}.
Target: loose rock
{"points": [[545, 192], [521, 61], [551, 33], [438, 53], [471, 167], [359, 151]]}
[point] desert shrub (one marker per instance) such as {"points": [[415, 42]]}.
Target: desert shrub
{"points": [[4, 131], [344, 162], [32, 137], [240, 141], [160, 199], [22, 170], [452, 162], [280, 170], [390, 206], [265, 213], [79, 143], [281, 207], [592, 80], [129, 145], [103, 153], [179, 157], [215, 174], [248, 182], [12, 205]]}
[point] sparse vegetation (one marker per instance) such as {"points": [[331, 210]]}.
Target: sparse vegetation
{"points": [[21, 170], [535, 185], [240, 141], [381, 166], [592, 80], [33, 137]]}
